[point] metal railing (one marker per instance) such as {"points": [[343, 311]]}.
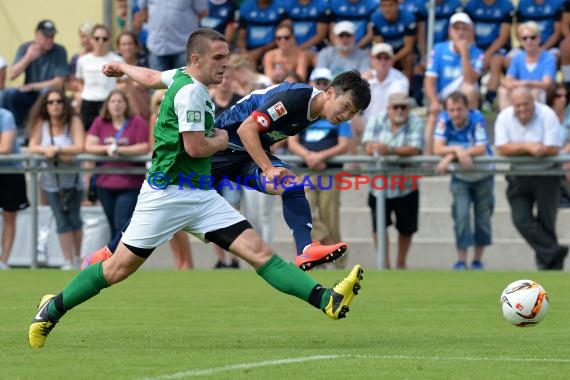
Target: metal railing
{"points": [[371, 166]]}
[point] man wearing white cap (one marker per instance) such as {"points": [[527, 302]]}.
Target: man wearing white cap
{"points": [[343, 55], [454, 65]]}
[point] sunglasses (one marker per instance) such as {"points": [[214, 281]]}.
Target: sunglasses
{"points": [[402, 107], [284, 38], [104, 39], [55, 101], [526, 38], [384, 57]]}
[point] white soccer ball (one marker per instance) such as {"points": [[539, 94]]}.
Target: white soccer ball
{"points": [[524, 303]]}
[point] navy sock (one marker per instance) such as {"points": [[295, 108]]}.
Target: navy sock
{"points": [[297, 215]]}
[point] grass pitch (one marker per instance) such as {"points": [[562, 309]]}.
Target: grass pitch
{"points": [[230, 325]]}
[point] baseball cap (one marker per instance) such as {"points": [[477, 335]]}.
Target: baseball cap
{"points": [[382, 48], [344, 27], [47, 27], [321, 73], [460, 17], [400, 98]]}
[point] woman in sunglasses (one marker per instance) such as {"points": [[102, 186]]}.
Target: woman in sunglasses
{"points": [[57, 134], [286, 57], [532, 67]]}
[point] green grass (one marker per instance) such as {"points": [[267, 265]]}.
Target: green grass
{"points": [[229, 324]]}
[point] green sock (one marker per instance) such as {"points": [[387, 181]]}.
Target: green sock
{"points": [[88, 283], [287, 278]]}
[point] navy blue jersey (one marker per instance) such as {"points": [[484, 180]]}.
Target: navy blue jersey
{"points": [[393, 32], [220, 14], [488, 20], [545, 15], [358, 12], [305, 17], [259, 23], [280, 111]]}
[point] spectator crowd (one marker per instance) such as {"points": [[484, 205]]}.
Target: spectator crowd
{"points": [[491, 59]]}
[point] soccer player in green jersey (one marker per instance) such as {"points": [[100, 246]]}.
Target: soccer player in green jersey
{"points": [[185, 141]]}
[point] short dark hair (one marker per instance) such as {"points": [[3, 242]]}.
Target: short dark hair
{"points": [[351, 81], [199, 41], [457, 96]]}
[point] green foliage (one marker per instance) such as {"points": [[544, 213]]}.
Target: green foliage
{"points": [[229, 325]]}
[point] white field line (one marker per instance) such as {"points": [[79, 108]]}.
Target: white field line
{"points": [[271, 363]]}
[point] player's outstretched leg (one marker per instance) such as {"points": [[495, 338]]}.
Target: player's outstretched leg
{"points": [[316, 254], [99, 255], [42, 324], [343, 293]]}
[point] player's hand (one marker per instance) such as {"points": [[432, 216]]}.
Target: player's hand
{"points": [[221, 135], [113, 69], [276, 173]]}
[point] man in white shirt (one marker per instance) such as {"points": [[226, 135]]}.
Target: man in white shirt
{"points": [[530, 128]]}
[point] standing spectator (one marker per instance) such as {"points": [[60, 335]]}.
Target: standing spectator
{"points": [[557, 98], [287, 56], [169, 25], [94, 86], [257, 22], [139, 96], [13, 195], [533, 67], [358, 13], [44, 64], [454, 65], [530, 128], [396, 132], [117, 132], [461, 134], [316, 144], [179, 243], [59, 135], [343, 55]]}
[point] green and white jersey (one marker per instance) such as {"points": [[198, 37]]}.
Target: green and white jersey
{"points": [[186, 106]]}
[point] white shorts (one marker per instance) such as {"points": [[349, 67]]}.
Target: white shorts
{"points": [[159, 214]]}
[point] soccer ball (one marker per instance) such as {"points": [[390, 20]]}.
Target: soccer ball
{"points": [[524, 303]]}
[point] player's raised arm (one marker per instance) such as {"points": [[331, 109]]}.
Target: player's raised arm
{"points": [[145, 76]]}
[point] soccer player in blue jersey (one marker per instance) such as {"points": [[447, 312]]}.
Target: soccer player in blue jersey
{"points": [[185, 139]]}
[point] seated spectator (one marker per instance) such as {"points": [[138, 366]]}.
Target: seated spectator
{"points": [[72, 84], [533, 67], [44, 64], [247, 78], [310, 21], [59, 135], [13, 194], [527, 127], [546, 14], [357, 12], [222, 17], [455, 65], [286, 57], [257, 25], [115, 133], [317, 144], [343, 55], [129, 49], [557, 98], [493, 20], [460, 135], [397, 28], [396, 132]]}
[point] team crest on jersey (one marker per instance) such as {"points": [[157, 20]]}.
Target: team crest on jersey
{"points": [[193, 116], [277, 110]]}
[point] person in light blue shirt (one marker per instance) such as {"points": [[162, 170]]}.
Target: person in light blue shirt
{"points": [[460, 135]]}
